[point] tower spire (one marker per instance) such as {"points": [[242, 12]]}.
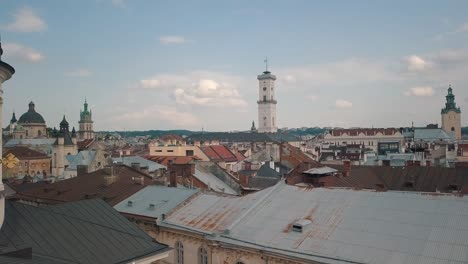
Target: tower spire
{"points": [[266, 64]]}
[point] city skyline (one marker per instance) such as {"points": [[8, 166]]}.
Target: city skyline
{"points": [[151, 65]]}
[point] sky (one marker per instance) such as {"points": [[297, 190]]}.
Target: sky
{"points": [[193, 64]]}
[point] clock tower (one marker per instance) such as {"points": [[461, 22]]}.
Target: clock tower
{"points": [[267, 122]]}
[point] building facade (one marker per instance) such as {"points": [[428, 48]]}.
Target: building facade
{"points": [[451, 115], [64, 145], [31, 162], [267, 122], [85, 124]]}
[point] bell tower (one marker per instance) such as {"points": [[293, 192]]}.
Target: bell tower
{"points": [[451, 115], [267, 122], [85, 124]]}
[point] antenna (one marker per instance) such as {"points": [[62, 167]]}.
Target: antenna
{"points": [[266, 64]]}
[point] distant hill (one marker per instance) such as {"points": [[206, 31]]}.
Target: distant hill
{"points": [[159, 133]]}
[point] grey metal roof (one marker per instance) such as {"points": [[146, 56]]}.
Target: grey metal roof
{"points": [[153, 166], [347, 225], [80, 232], [320, 170], [431, 134], [213, 182], [163, 198], [84, 157]]}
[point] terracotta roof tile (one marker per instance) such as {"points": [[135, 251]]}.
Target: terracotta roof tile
{"points": [[24, 153]]}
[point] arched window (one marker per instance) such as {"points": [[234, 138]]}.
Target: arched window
{"points": [[264, 98], [453, 128], [179, 253], [202, 256]]}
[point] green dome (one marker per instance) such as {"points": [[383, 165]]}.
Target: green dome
{"points": [[31, 116]]}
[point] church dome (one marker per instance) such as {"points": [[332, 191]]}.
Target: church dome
{"points": [[31, 116]]}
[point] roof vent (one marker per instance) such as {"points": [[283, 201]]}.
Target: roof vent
{"points": [[129, 203], [151, 206], [300, 225]]}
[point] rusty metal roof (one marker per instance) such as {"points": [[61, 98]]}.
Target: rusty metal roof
{"points": [[358, 226]]}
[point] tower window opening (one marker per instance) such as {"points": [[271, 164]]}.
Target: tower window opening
{"points": [[453, 129], [264, 98]]}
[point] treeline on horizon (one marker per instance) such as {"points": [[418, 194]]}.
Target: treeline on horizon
{"points": [[182, 132]]}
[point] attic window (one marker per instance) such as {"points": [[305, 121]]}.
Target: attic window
{"points": [[129, 203], [151, 206], [300, 225]]}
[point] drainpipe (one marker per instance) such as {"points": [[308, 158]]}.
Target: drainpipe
{"points": [[6, 71]]}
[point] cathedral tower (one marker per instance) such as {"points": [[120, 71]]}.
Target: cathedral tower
{"points": [[451, 115], [85, 124], [267, 122]]}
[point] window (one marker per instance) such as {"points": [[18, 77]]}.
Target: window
{"points": [[170, 150], [202, 256], [264, 88], [39, 133], [264, 98], [453, 129], [179, 253]]}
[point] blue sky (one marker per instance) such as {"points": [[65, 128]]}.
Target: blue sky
{"points": [[193, 64]]}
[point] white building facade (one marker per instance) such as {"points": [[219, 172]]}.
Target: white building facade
{"points": [[267, 122]]}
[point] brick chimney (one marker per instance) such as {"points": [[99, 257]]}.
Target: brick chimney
{"points": [[428, 163], [346, 168], [409, 163], [244, 180], [417, 163], [172, 179]]}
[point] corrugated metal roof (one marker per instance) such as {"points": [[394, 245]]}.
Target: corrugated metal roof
{"points": [[362, 226], [163, 198], [153, 166]]}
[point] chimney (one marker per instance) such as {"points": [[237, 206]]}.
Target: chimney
{"points": [[192, 169], [428, 163], [109, 177], [144, 169], [81, 170], [139, 179], [136, 165], [409, 163], [417, 163], [346, 168], [386, 163], [172, 179], [244, 180]]}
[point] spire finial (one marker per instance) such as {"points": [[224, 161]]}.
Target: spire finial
{"points": [[266, 64]]}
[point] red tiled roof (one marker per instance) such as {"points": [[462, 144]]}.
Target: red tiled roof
{"points": [[365, 131], [84, 144], [24, 153], [171, 136], [88, 186], [220, 153], [413, 178]]}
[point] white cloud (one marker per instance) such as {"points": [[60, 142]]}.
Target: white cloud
{"points": [[157, 114], [462, 28], [118, 3], [340, 103], [420, 91], [199, 88], [21, 52], [82, 72], [167, 40], [417, 64], [26, 20], [348, 72]]}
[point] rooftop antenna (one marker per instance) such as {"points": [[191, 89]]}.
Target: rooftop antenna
{"points": [[266, 64]]}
